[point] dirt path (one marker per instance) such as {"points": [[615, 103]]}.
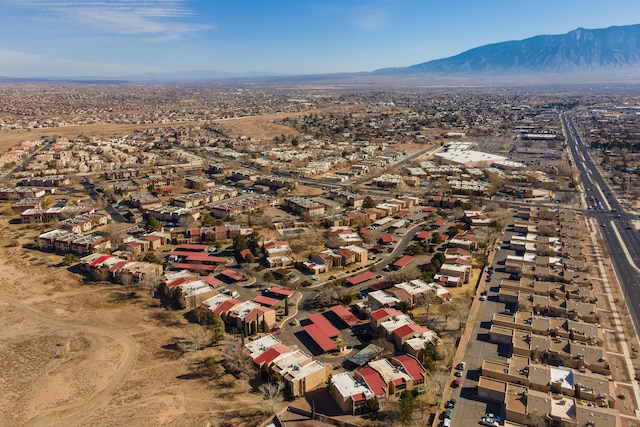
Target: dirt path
{"points": [[75, 415]]}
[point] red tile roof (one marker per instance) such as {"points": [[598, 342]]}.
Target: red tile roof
{"points": [[374, 380], [424, 234], [118, 266], [191, 267], [198, 256], [409, 330], [384, 312], [402, 262], [211, 281], [345, 315], [386, 238], [383, 284], [359, 397], [232, 274], [268, 356], [327, 328], [412, 366], [401, 294], [266, 301], [272, 244], [180, 281], [226, 306], [319, 337], [100, 260], [256, 314], [279, 290], [363, 277]]}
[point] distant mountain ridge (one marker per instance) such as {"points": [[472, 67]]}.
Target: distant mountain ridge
{"points": [[610, 48]]}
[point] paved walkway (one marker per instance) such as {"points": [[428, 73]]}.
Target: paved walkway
{"points": [[617, 321]]}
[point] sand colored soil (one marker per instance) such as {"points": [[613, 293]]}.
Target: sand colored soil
{"points": [[80, 354]]}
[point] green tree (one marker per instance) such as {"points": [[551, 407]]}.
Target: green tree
{"points": [[372, 405], [70, 259], [212, 367], [368, 203], [406, 408], [153, 225], [253, 242], [207, 220], [269, 277], [284, 281], [216, 325], [436, 238], [152, 258], [239, 243]]}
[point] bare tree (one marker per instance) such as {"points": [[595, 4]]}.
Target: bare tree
{"points": [[236, 361], [150, 282], [387, 347], [461, 309], [194, 338], [436, 382], [272, 395], [428, 299]]}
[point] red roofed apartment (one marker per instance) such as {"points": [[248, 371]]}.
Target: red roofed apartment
{"points": [[403, 262], [375, 382], [384, 314], [413, 367]]}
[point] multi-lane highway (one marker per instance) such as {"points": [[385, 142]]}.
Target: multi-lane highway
{"points": [[621, 238]]}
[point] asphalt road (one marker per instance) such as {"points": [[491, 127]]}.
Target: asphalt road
{"points": [[621, 239]]}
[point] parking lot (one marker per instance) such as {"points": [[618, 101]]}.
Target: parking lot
{"points": [[469, 410]]}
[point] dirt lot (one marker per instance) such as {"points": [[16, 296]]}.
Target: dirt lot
{"points": [[79, 353]]}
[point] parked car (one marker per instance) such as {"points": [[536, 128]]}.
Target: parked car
{"points": [[451, 403], [461, 366], [492, 416], [458, 373], [483, 297], [489, 422]]}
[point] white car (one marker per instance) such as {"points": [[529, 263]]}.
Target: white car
{"points": [[489, 422]]}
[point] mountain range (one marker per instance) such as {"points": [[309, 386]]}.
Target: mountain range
{"points": [[612, 48], [601, 54]]}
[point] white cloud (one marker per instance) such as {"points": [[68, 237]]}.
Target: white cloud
{"points": [[372, 18], [161, 18], [21, 64]]}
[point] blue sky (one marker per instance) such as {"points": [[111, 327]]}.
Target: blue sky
{"points": [[121, 37]]}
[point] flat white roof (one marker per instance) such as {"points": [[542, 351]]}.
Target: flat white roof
{"points": [[301, 371], [388, 371], [259, 346], [284, 361], [383, 298], [396, 322], [562, 375], [347, 385]]}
